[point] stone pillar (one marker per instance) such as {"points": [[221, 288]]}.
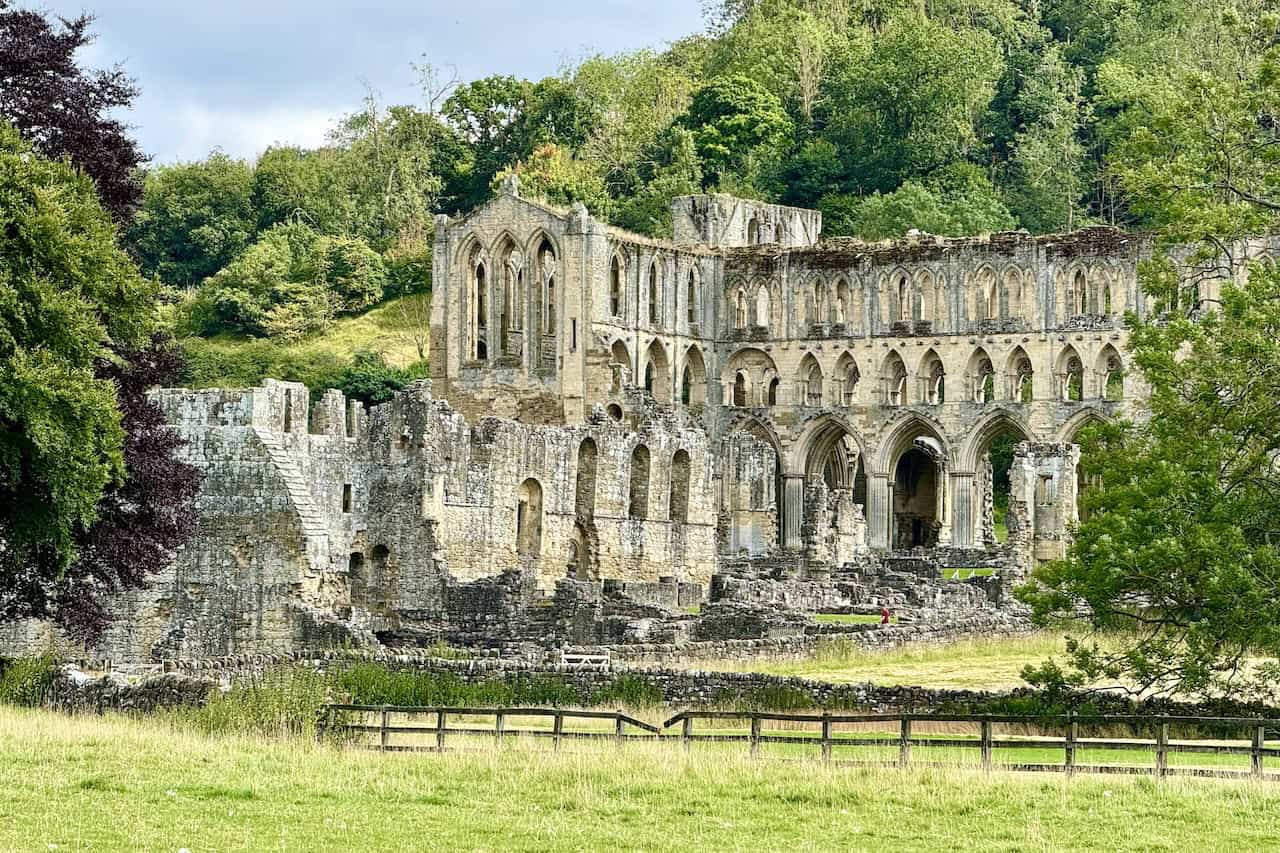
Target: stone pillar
{"points": [[880, 511], [962, 518], [793, 512]]}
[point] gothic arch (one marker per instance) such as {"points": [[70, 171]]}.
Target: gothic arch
{"points": [[693, 378], [981, 374], [933, 378], [1109, 368], [810, 381], [894, 380], [848, 375], [657, 372], [985, 295], [1020, 370], [1069, 373], [985, 430]]}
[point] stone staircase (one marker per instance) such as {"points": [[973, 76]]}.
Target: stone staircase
{"points": [[314, 529]]}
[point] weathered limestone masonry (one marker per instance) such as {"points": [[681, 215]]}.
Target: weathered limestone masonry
{"points": [[614, 420]]}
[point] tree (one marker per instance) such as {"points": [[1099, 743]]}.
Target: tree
{"points": [[195, 218], [908, 101], [67, 293], [551, 173], [64, 110], [141, 521], [737, 126], [954, 202], [1179, 544]]}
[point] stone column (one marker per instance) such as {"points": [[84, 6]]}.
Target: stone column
{"points": [[880, 511], [793, 512], [962, 518]]}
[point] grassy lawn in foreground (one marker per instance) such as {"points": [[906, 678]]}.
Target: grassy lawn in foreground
{"points": [[986, 664], [115, 784]]}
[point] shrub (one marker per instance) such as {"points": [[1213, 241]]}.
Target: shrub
{"points": [[25, 681], [369, 379], [373, 684], [211, 365], [635, 691]]}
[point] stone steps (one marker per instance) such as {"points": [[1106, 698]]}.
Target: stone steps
{"points": [[311, 518]]}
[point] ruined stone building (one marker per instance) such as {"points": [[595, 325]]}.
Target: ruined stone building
{"points": [[612, 412]]}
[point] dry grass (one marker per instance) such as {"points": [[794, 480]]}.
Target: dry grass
{"points": [[115, 784], [978, 664]]}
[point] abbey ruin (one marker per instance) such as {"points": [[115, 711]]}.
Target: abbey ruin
{"points": [[630, 442]]}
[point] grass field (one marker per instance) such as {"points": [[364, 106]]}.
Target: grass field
{"points": [[849, 618], [114, 784], [389, 329], [986, 664]]}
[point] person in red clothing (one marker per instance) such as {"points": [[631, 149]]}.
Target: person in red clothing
{"points": [[884, 615]]}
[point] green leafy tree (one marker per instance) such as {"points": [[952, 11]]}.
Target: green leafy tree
{"points": [[908, 101], [676, 173], [954, 202], [66, 293], [195, 217], [738, 128], [352, 272], [553, 174], [1179, 540]]}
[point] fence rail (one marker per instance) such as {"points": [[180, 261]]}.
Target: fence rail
{"points": [[624, 727], [896, 731], [986, 742]]}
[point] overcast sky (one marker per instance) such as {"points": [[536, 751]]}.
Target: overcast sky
{"points": [[243, 74]]}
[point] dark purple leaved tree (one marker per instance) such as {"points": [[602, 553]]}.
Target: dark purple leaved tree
{"points": [[64, 110], [141, 521]]}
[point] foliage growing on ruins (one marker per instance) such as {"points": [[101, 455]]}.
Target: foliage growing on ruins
{"points": [[67, 111], [67, 294], [1180, 542]]}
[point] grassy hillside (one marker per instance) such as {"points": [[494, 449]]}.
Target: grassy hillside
{"points": [[115, 784], [394, 329]]}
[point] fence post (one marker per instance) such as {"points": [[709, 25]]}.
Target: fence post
{"points": [[1073, 731], [686, 732], [1162, 750], [557, 729], [440, 715], [384, 733], [904, 742], [826, 735], [1259, 738], [986, 744], [755, 735], [617, 727], [499, 726]]}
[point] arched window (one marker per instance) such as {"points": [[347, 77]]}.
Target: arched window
{"points": [[678, 502], [753, 232], [655, 296], [848, 375], [1024, 381], [481, 314], [691, 300], [1013, 294], [934, 375], [895, 379], [615, 288], [762, 306], [771, 392], [638, 505], [777, 234], [986, 384], [693, 385], [1077, 294], [1111, 372], [819, 303], [740, 390], [904, 299], [811, 381], [529, 518], [740, 310], [1073, 387]]}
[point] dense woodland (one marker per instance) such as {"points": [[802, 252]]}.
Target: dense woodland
{"points": [[953, 117]]}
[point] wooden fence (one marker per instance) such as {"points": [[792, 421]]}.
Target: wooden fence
{"points": [[896, 731], [390, 726], [985, 741]]}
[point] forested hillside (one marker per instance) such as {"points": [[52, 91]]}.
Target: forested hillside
{"points": [[953, 117]]}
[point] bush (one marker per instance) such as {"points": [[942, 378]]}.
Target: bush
{"points": [[369, 379], [408, 270], [353, 274], [25, 681]]}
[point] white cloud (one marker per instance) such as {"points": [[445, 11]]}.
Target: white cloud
{"points": [[194, 130]]}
